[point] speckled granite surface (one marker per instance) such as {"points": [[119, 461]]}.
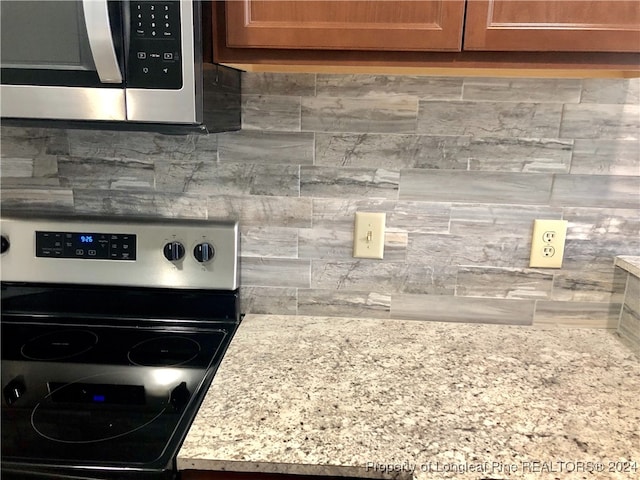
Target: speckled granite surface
{"points": [[347, 396], [629, 263]]}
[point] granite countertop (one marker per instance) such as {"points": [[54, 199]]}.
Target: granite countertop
{"points": [[629, 263], [425, 400]]}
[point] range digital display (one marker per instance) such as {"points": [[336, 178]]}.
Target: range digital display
{"points": [[90, 245]]}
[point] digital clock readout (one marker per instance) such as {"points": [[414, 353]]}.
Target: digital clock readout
{"points": [[86, 238]]}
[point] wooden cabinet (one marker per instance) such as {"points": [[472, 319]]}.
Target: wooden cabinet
{"points": [[346, 25], [504, 33], [553, 25]]}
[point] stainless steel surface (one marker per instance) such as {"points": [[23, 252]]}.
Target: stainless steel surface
{"points": [[96, 18], [65, 103], [176, 106], [150, 269], [180, 106]]}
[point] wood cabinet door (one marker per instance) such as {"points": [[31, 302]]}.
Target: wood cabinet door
{"points": [[346, 24], [553, 25]]}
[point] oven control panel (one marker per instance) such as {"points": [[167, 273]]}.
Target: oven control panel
{"points": [[99, 246], [174, 253]]}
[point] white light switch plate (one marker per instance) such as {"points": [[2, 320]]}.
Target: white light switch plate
{"points": [[368, 235]]}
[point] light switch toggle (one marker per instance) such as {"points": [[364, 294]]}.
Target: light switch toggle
{"points": [[368, 236]]}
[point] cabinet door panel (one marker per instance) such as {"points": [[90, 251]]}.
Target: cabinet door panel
{"points": [[553, 25], [346, 25]]}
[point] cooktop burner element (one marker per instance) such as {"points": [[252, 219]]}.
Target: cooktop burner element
{"points": [[164, 352], [59, 345], [109, 344]]}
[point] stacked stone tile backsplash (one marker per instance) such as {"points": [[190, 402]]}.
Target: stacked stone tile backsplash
{"points": [[461, 166]]}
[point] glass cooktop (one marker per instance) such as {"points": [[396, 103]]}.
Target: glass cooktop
{"points": [[134, 345], [99, 395]]}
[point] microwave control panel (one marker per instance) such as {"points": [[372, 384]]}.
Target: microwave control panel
{"points": [[155, 45]]}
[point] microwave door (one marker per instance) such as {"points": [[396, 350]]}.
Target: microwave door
{"points": [[60, 60]]}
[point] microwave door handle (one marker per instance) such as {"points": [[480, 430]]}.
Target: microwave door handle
{"points": [[96, 17]]}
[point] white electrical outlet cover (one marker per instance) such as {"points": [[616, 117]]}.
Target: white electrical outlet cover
{"points": [[547, 243]]}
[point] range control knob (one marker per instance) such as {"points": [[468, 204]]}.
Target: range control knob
{"points": [[14, 390], [203, 252], [4, 244], [173, 251], [179, 397]]}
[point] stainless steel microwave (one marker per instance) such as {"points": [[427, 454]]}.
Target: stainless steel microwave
{"points": [[101, 60]]}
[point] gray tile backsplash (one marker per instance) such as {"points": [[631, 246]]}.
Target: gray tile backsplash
{"points": [[588, 120], [480, 187], [489, 119], [543, 90], [606, 157], [377, 86], [383, 114], [629, 325], [461, 167], [604, 191]]}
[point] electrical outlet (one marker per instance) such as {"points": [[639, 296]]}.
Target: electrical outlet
{"points": [[547, 244], [368, 235]]}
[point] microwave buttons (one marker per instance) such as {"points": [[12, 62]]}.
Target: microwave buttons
{"points": [[148, 14], [155, 58]]}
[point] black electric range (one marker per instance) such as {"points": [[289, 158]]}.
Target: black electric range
{"points": [[112, 330]]}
